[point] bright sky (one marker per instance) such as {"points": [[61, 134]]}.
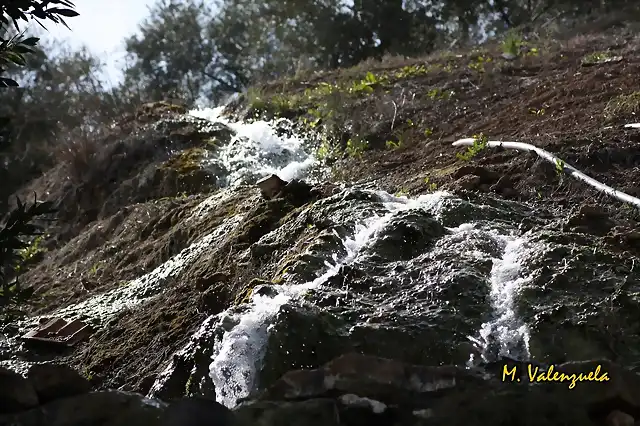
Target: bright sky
{"points": [[102, 27]]}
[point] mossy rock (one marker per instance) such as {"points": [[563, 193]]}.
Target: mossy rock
{"points": [[186, 161]]}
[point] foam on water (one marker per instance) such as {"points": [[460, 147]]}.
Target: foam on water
{"points": [[238, 355], [257, 149], [505, 334], [104, 306]]}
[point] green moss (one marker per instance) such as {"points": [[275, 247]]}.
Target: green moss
{"points": [[186, 161]]}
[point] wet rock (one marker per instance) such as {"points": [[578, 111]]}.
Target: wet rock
{"points": [[469, 182], [590, 219], [614, 387], [271, 186], [504, 186], [406, 235], [108, 408], [313, 412], [367, 376], [301, 337], [625, 237], [187, 373], [196, 411], [54, 381], [297, 191], [16, 392], [486, 176]]}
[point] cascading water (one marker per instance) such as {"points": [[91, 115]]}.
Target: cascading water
{"points": [[505, 334], [241, 349], [257, 149]]}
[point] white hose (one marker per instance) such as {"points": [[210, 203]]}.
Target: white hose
{"points": [[570, 170]]}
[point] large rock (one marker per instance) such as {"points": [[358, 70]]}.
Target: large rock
{"points": [[55, 381], [107, 408], [314, 412], [16, 392], [369, 376], [372, 390], [197, 411]]}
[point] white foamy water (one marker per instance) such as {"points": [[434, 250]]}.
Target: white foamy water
{"points": [[506, 333], [238, 355], [105, 306], [257, 149]]}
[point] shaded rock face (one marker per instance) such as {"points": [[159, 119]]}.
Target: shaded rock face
{"points": [[53, 381], [358, 390], [111, 408], [16, 392], [57, 395]]}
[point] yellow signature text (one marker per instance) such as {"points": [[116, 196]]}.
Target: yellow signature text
{"points": [[537, 375]]}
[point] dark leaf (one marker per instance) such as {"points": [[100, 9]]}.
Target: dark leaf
{"points": [[7, 82], [64, 12], [31, 41]]}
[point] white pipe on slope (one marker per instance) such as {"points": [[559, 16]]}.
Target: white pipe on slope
{"points": [[555, 160]]}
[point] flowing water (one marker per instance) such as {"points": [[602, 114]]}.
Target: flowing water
{"points": [[436, 279], [441, 278]]}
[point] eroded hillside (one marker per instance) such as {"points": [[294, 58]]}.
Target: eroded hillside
{"points": [[398, 245]]}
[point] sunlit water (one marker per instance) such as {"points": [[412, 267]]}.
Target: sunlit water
{"points": [[258, 149]]}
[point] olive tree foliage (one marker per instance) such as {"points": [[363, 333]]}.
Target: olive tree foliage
{"points": [[14, 47], [204, 49], [177, 55]]}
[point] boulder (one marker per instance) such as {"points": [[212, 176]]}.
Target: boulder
{"points": [[197, 411], [371, 390], [106, 408], [16, 392], [313, 412], [367, 376], [270, 186], [55, 381]]}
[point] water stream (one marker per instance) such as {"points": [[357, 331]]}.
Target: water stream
{"points": [[441, 278]]}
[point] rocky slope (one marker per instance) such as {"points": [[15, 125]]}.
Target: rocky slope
{"points": [[414, 272]]}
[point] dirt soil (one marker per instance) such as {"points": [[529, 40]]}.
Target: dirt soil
{"points": [[546, 97]]}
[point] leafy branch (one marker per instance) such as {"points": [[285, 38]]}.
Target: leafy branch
{"points": [[14, 48], [18, 225]]}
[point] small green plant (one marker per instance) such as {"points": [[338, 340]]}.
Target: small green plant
{"points": [[536, 111], [440, 94], [414, 71], [428, 132], [393, 145], [29, 252], [479, 63], [87, 374], [533, 51], [356, 147], [598, 58], [480, 142], [560, 167], [512, 43], [326, 150], [432, 186], [367, 84], [401, 193], [95, 268]]}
